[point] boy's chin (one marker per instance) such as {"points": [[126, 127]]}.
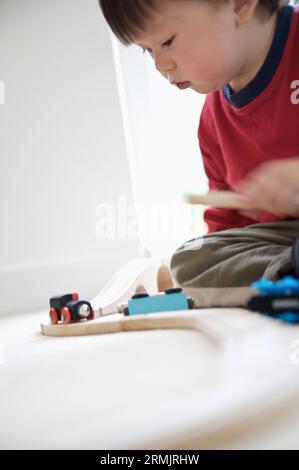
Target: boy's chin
{"points": [[205, 89]]}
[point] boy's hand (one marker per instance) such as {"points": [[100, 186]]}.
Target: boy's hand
{"points": [[250, 213], [274, 187]]}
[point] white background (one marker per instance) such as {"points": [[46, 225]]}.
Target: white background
{"points": [[62, 152]]}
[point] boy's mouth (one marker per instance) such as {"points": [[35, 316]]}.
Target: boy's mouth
{"points": [[182, 85]]}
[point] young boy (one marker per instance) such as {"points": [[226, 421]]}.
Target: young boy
{"points": [[244, 55]]}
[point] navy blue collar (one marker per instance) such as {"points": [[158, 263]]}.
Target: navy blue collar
{"points": [[269, 67]]}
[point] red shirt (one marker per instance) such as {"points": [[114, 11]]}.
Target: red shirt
{"points": [[238, 132]]}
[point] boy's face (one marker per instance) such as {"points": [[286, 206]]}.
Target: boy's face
{"points": [[194, 43]]}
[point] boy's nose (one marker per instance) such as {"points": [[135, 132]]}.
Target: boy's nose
{"points": [[164, 66]]}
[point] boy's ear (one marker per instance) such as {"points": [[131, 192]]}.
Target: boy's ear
{"points": [[244, 10]]}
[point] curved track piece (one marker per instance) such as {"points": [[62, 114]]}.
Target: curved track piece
{"points": [[179, 320]]}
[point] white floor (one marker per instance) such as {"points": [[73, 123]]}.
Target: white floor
{"points": [[154, 389]]}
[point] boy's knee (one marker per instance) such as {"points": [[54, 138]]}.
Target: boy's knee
{"points": [[178, 268], [185, 263]]}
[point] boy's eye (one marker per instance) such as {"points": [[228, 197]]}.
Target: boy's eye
{"points": [[169, 42], [165, 44]]}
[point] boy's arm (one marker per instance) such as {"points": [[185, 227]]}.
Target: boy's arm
{"points": [[218, 219], [215, 168], [221, 219]]}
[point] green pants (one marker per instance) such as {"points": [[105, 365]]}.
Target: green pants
{"points": [[226, 263]]}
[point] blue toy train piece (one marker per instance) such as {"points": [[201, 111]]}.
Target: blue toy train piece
{"points": [[288, 285], [278, 299], [171, 299]]}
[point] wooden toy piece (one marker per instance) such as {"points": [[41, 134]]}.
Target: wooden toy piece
{"points": [[219, 199], [69, 309], [171, 300], [186, 320], [164, 278], [138, 276], [141, 275]]}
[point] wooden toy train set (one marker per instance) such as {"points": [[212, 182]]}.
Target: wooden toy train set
{"points": [[145, 287]]}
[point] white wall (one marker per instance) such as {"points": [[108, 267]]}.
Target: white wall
{"points": [[161, 123], [62, 151]]}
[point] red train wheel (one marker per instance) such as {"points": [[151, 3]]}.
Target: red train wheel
{"points": [[66, 316], [53, 316]]}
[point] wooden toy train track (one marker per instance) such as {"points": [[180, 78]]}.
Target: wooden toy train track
{"points": [[137, 279]]}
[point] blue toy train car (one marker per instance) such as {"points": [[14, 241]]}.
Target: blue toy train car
{"points": [[278, 299], [171, 299]]}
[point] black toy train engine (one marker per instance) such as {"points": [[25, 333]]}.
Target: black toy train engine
{"points": [[69, 309]]}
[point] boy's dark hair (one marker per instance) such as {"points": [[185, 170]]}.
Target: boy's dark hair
{"points": [[126, 17]]}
